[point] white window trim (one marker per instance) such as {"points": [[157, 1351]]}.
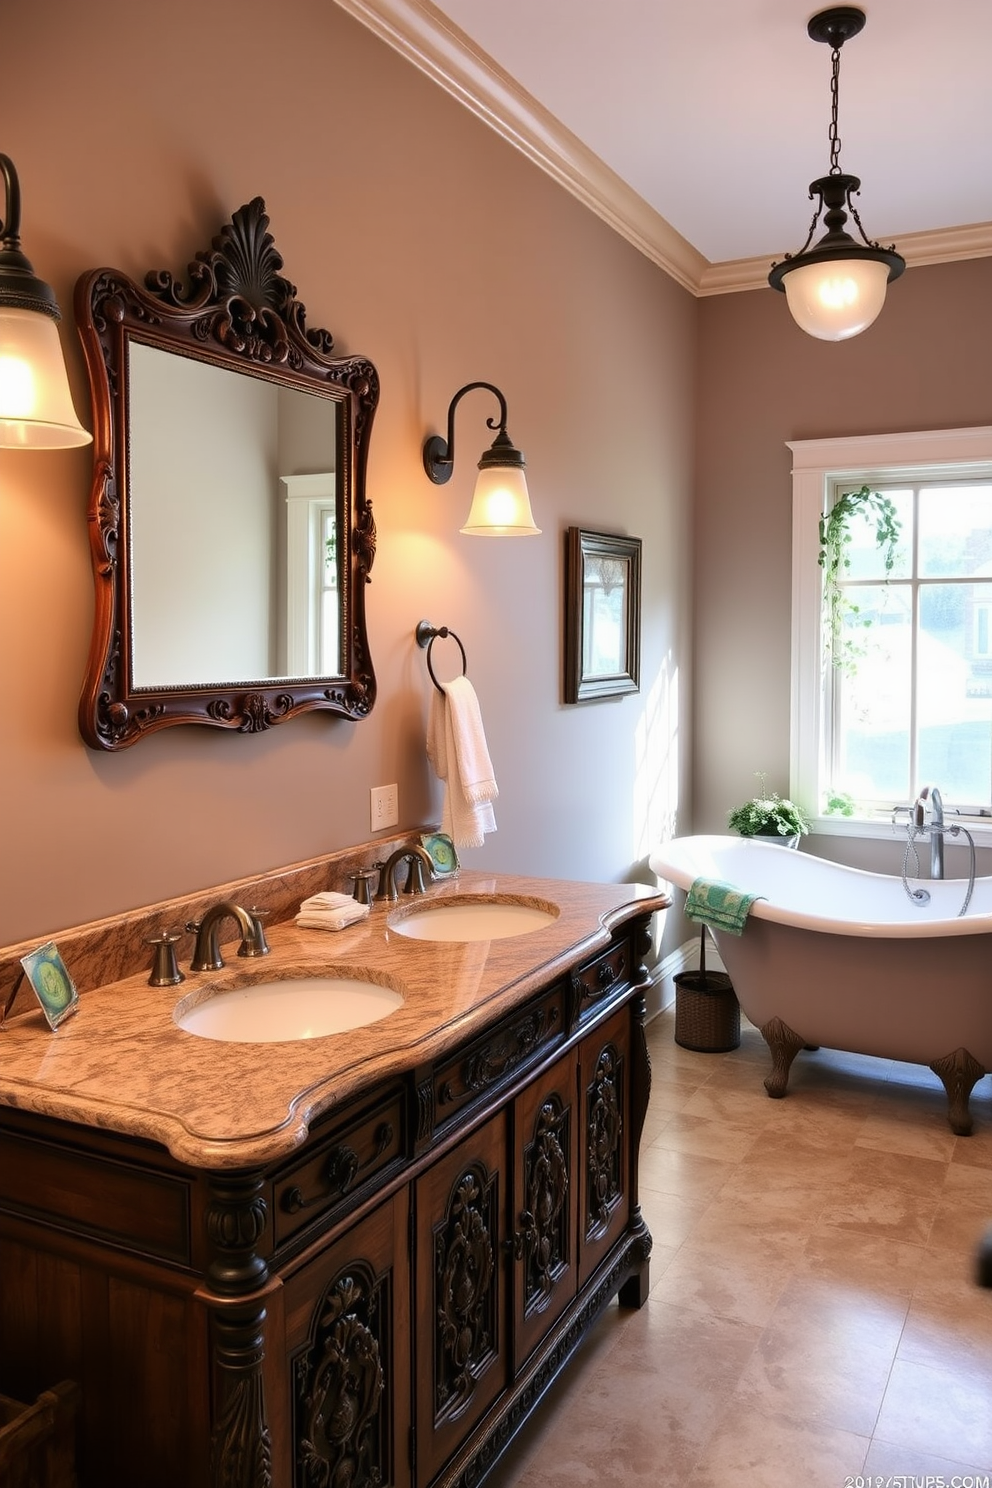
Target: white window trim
{"points": [[304, 496], [863, 460]]}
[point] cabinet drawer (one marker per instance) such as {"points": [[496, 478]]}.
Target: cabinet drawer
{"points": [[335, 1166], [599, 978], [503, 1052], [138, 1210]]}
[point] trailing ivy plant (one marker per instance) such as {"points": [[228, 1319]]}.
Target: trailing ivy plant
{"points": [[835, 535]]}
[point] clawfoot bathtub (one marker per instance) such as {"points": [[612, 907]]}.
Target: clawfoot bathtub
{"points": [[838, 957]]}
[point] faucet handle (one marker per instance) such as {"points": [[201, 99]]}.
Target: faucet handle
{"points": [[415, 875], [256, 943], [362, 883], [165, 969]]}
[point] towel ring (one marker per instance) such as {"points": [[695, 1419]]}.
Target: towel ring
{"points": [[427, 634]]}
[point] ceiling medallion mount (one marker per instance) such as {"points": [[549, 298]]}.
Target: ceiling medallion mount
{"points": [[836, 288], [837, 25]]}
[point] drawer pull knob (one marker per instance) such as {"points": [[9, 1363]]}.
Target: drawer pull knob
{"points": [[340, 1171], [607, 974]]}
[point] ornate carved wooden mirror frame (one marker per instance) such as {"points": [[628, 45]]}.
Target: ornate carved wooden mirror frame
{"points": [[238, 313]]}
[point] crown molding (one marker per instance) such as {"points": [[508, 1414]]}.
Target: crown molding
{"points": [[422, 34], [941, 245]]}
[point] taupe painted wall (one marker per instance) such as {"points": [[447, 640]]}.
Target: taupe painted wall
{"points": [[924, 364], [423, 241]]}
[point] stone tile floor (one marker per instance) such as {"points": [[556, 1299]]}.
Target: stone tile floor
{"points": [[813, 1315]]}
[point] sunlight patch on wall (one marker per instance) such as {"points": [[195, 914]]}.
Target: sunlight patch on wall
{"points": [[656, 762]]}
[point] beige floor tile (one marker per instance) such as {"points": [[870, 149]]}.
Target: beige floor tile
{"points": [[670, 1218], [949, 1323], [885, 1460], [739, 1278], [958, 1226], [862, 1262], [890, 1131], [761, 1451], [941, 1411], [824, 1358], [700, 1137], [674, 1171], [881, 1210]]}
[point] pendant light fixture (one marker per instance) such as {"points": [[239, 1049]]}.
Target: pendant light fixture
{"points": [[36, 409], [501, 504], [836, 288]]}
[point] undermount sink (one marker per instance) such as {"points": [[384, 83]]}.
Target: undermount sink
{"points": [[471, 919], [278, 1012]]}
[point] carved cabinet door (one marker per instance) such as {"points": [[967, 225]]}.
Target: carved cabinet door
{"points": [[545, 1205], [347, 1322], [604, 1142], [462, 1344]]}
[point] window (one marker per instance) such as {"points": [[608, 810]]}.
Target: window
{"points": [[911, 702]]}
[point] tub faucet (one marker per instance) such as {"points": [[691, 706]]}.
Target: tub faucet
{"points": [[418, 858], [935, 825], [207, 956]]}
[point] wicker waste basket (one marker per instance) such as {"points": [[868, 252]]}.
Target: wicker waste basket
{"points": [[707, 1013], [38, 1442]]}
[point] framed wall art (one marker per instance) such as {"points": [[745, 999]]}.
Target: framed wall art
{"points": [[602, 615]]}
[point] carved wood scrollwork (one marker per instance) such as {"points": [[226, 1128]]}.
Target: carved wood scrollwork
{"points": [[241, 1455], [341, 1435], [500, 1058], [604, 1126], [239, 314], [465, 1291], [542, 1240]]}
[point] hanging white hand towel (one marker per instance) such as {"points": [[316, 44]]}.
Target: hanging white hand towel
{"points": [[457, 749]]}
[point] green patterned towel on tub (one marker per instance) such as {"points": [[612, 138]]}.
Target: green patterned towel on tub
{"points": [[719, 905]]}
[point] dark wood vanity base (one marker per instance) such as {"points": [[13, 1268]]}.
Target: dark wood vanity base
{"points": [[386, 1304]]}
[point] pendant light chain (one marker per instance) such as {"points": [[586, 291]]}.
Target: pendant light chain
{"points": [[834, 94]]}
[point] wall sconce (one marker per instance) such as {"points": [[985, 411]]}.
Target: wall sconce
{"points": [[36, 409], [837, 288], [501, 504]]}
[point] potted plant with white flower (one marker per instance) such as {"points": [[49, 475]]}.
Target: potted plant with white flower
{"points": [[770, 815]]}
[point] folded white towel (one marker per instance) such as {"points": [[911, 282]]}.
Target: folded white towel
{"points": [[331, 919], [457, 749], [328, 899]]}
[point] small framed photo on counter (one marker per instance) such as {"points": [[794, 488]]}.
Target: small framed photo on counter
{"points": [[602, 615], [52, 984]]}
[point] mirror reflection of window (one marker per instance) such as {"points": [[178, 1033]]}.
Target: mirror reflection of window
{"points": [[313, 627]]}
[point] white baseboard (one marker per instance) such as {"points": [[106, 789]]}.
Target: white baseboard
{"points": [[661, 994]]}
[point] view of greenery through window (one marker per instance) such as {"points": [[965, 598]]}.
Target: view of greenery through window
{"points": [[912, 702]]}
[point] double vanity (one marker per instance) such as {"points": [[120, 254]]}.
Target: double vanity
{"points": [[353, 1257]]}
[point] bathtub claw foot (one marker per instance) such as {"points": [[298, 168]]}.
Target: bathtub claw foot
{"points": [[959, 1073], [784, 1045]]}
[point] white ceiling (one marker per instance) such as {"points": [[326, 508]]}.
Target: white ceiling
{"points": [[695, 126]]}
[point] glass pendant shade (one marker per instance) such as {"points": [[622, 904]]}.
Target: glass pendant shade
{"points": [[836, 298], [501, 504], [36, 410]]}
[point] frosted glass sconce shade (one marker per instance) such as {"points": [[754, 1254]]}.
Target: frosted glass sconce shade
{"points": [[36, 409]]}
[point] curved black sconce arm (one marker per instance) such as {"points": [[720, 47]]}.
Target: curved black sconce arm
{"points": [[439, 454], [20, 288]]}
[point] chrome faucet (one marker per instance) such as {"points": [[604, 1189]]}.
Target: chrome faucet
{"points": [[418, 859], [934, 825], [207, 956]]}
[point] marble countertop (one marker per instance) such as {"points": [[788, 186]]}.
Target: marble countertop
{"points": [[121, 1063]]}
